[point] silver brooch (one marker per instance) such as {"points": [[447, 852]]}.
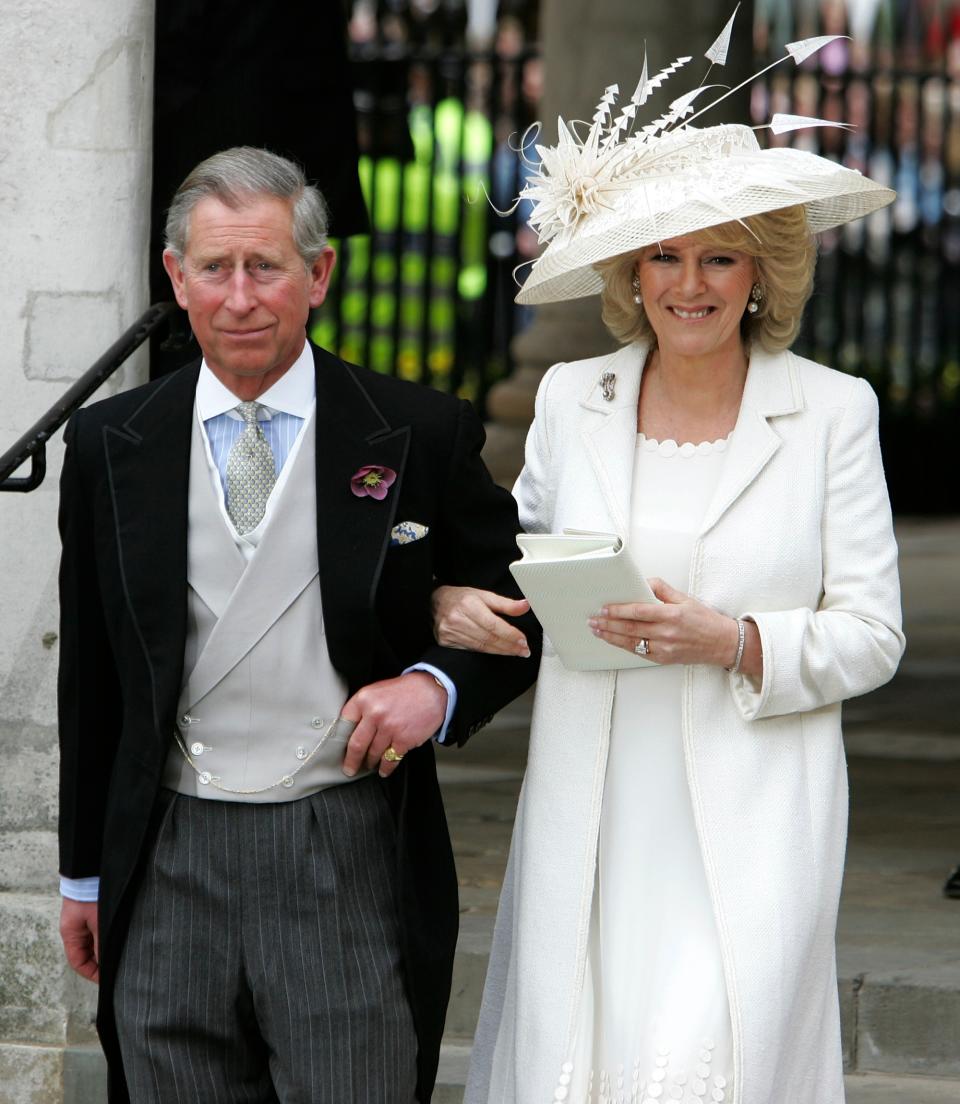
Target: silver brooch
{"points": [[607, 381]]}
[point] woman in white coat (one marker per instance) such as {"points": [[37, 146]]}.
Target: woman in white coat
{"points": [[666, 926]]}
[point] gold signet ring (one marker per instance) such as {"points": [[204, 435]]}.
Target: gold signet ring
{"points": [[391, 755]]}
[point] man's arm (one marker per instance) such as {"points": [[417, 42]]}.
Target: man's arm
{"points": [[400, 713], [475, 533], [89, 708], [476, 543], [451, 691]]}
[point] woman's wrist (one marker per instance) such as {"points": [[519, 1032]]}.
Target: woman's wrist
{"points": [[734, 651], [751, 665]]}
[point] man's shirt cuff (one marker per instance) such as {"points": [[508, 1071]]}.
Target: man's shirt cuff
{"points": [[80, 889], [451, 690]]}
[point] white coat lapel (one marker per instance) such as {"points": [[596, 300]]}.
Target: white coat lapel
{"points": [[771, 390], [609, 431], [284, 564]]}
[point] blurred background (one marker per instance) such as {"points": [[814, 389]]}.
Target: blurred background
{"points": [[444, 90]]}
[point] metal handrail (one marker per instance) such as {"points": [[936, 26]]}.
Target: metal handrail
{"points": [[32, 445]]}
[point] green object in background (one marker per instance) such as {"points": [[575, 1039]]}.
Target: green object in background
{"points": [[442, 190], [353, 307]]}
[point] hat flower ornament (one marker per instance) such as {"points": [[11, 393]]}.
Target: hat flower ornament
{"points": [[624, 186]]}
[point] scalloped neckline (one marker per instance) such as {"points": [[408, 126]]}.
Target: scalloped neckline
{"points": [[669, 447]]}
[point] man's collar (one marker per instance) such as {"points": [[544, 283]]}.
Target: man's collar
{"points": [[293, 393]]}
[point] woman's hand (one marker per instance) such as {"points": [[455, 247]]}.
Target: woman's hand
{"points": [[680, 630], [466, 618]]}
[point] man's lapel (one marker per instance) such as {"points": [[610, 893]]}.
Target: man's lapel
{"points": [[353, 534], [148, 463]]}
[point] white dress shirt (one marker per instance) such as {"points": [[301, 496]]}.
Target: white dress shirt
{"points": [[286, 406]]}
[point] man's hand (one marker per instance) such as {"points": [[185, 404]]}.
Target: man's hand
{"points": [[401, 713], [79, 931]]}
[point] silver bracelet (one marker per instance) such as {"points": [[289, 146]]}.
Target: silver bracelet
{"points": [[742, 630]]}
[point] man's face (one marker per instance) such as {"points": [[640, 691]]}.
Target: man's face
{"points": [[246, 290]]}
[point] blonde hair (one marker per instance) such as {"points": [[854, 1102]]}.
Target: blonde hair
{"points": [[785, 253]]}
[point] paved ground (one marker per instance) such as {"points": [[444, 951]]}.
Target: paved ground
{"points": [[898, 938]]}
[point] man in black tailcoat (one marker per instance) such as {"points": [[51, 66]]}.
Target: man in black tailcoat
{"points": [[250, 691]]}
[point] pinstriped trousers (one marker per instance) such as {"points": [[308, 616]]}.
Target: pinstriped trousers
{"points": [[262, 962]]}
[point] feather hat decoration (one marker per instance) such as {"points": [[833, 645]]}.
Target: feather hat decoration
{"points": [[626, 185]]}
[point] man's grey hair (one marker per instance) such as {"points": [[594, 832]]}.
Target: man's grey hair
{"points": [[237, 176]]}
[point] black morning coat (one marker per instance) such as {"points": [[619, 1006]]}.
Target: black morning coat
{"points": [[123, 587]]}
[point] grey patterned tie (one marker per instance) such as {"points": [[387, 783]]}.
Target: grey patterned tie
{"points": [[251, 471]]}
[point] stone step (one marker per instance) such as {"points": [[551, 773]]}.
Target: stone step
{"points": [[862, 1088], [879, 1088], [452, 1074], [469, 971], [904, 1021]]}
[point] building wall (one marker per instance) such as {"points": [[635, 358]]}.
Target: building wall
{"points": [[75, 130]]}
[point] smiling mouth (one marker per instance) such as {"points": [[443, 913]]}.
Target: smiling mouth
{"points": [[691, 315], [246, 333]]}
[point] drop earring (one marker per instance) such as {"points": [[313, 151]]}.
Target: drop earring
{"points": [[756, 295], [635, 284]]}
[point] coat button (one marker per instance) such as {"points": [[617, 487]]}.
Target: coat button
{"points": [[186, 719], [204, 778], [301, 753], [287, 781], [196, 748], [317, 722]]}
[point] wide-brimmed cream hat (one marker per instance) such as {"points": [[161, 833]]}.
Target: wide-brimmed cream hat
{"points": [[620, 189]]}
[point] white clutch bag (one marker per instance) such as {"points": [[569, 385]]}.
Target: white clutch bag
{"points": [[567, 577]]}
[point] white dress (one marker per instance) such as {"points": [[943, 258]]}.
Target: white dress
{"points": [[654, 1020]]}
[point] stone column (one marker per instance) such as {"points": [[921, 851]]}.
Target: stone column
{"points": [[75, 125], [586, 46]]}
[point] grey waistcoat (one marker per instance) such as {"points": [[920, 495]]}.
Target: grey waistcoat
{"points": [[258, 708]]}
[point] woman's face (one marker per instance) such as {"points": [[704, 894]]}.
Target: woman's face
{"points": [[695, 296]]}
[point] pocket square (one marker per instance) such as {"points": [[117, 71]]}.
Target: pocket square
{"points": [[407, 532]]}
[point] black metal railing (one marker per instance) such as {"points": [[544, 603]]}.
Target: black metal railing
{"points": [[32, 445]]}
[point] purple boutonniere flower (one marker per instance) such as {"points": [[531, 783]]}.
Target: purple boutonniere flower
{"points": [[372, 480]]}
